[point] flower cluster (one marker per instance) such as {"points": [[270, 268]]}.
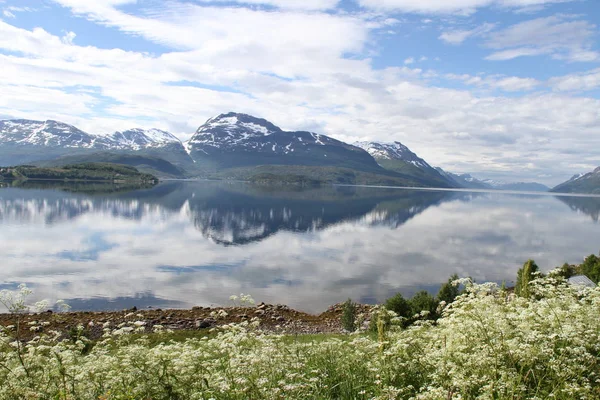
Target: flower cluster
{"points": [[488, 344]]}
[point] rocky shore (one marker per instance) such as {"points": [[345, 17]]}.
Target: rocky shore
{"points": [[273, 318]]}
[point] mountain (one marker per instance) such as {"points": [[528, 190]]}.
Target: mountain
{"points": [[469, 182], [26, 141], [464, 180], [583, 183], [398, 158], [238, 140], [522, 186]]}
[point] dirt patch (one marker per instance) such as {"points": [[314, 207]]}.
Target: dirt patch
{"points": [[273, 318]]}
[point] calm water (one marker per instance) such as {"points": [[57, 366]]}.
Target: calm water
{"points": [[181, 244]]}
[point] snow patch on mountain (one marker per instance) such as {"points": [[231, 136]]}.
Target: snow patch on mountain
{"points": [[393, 151], [58, 134], [234, 132]]}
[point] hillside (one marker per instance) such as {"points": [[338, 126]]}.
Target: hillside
{"points": [[78, 172], [584, 183], [299, 174], [398, 158], [147, 164]]}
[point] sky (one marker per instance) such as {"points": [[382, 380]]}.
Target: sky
{"points": [[502, 89]]}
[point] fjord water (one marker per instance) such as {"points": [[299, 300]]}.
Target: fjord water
{"points": [[181, 244]]}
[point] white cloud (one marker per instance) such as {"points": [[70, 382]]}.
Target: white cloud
{"points": [[459, 36], [515, 84], [299, 79], [451, 6], [69, 37], [286, 4], [8, 14], [409, 61], [577, 82], [504, 83], [559, 36]]}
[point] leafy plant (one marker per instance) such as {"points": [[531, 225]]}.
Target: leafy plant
{"points": [[349, 316], [524, 276]]}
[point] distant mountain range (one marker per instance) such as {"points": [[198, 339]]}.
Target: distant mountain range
{"points": [[582, 183], [238, 146]]}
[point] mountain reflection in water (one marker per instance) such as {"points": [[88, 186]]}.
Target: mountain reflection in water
{"points": [[196, 243]]}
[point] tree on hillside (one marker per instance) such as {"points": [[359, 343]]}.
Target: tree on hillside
{"points": [[524, 276], [591, 268], [448, 292], [399, 305], [423, 301]]}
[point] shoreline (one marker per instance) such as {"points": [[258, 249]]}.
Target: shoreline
{"points": [[274, 318]]}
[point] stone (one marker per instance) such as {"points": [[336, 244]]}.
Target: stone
{"points": [[204, 324]]}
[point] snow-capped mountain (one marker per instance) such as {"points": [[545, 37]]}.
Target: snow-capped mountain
{"points": [[521, 186], [49, 134], [464, 180], [23, 141], [397, 157], [393, 151], [236, 140], [581, 183], [137, 139]]}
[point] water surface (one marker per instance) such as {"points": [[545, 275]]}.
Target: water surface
{"points": [[181, 244]]}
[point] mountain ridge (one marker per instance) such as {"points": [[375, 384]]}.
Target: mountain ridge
{"points": [[587, 183], [395, 156]]}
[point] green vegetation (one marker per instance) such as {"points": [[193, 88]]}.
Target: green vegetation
{"points": [[143, 163], [349, 316], [429, 177], [487, 344], [590, 268], [314, 174], [422, 306], [524, 276], [288, 179], [86, 187], [78, 172]]}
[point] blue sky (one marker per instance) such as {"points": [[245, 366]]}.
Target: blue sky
{"points": [[503, 89]]}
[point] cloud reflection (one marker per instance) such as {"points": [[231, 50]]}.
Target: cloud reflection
{"points": [[196, 243]]}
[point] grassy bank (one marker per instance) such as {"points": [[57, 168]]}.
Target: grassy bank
{"points": [[487, 344]]}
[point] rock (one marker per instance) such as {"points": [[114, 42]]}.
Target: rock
{"points": [[259, 312], [205, 323], [280, 319], [261, 306]]}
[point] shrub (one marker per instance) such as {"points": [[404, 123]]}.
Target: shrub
{"points": [[423, 302], [349, 316], [591, 268], [448, 291], [524, 276], [399, 305]]}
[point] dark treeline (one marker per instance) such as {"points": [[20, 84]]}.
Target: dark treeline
{"points": [[83, 172]]}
